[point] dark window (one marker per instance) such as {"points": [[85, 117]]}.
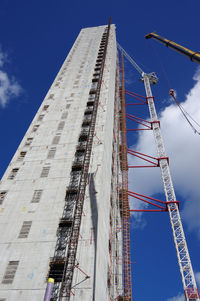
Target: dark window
{"points": [[61, 126], [36, 196], [21, 156], [2, 196], [10, 272], [64, 115], [28, 141], [13, 173], [35, 128], [40, 117], [25, 229], [56, 139], [51, 153], [45, 172], [45, 107]]}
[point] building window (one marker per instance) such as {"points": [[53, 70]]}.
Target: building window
{"points": [[51, 96], [45, 107], [56, 139], [64, 115], [45, 172], [51, 153], [35, 127], [40, 117], [25, 229], [21, 156], [2, 196], [10, 272], [61, 126], [28, 141], [36, 196], [13, 173]]}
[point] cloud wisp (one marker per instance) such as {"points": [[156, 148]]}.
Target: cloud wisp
{"points": [[9, 87], [180, 297], [183, 148]]}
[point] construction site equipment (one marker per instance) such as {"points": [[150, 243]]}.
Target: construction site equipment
{"points": [[193, 56], [186, 270]]}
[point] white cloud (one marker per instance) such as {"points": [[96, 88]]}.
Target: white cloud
{"points": [[180, 297], [183, 148], [197, 277], [9, 87]]}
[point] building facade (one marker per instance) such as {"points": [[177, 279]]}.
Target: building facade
{"points": [[59, 197]]}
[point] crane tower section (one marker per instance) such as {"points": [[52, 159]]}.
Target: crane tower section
{"points": [[187, 274]]}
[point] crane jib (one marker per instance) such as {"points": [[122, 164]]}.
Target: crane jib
{"points": [[194, 56]]}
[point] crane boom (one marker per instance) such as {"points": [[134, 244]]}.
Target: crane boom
{"points": [[194, 56]]}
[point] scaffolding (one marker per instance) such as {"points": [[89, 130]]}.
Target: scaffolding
{"points": [[124, 197]]}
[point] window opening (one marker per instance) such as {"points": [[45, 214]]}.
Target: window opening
{"points": [[25, 229], [56, 139], [2, 196], [45, 107], [36, 196], [64, 115], [51, 153], [40, 117], [45, 172], [61, 126], [51, 96], [35, 127], [13, 173], [28, 141], [10, 272], [21, 156]]}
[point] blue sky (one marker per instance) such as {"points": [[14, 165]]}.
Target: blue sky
{"points": [[35, 37]]}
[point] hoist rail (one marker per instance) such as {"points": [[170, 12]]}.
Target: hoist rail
{"points": [[125, 201], [194, 56]]}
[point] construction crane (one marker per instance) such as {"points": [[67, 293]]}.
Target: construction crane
{"points": [[193, 56], [186, 270]]}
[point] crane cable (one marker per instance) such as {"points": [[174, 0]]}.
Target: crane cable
{"points": [[171, 92]]}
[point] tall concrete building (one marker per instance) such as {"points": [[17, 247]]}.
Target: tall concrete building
{"points": [[59, 197]]}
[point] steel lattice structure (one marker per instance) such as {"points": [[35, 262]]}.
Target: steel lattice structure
{"points": [[188, 279]]}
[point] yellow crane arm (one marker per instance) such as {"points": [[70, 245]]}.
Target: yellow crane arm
{"points": [[194, 56]]}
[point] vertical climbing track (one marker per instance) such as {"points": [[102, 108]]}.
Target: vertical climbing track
{"points": [[124, 194]]}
